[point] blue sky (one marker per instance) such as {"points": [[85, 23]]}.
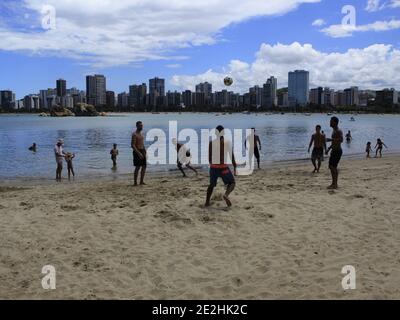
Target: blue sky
{"points": [[185, 47]]}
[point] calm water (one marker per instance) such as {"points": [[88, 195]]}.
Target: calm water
{"points": [[284, 137]]}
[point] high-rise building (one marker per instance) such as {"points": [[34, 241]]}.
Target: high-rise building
{"points": [[61, 88], [110, 99], [387, 97], [351, 96], [256, 95], [31, 102], [123, 100], [96, 90], [299, 86], [156, 91], [187, 98], [205, 88], [317, 96], [47, 98], [328, 97], [269, 97], [7, 98]]}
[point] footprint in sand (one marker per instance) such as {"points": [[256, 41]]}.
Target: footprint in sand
{"points": [[69, 208]]}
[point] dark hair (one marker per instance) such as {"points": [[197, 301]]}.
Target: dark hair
{"points": [[139, 122], [220, 128], [318, 127], [335, 119]]}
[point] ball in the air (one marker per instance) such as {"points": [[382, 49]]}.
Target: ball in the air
{"points": [[228, 81]]}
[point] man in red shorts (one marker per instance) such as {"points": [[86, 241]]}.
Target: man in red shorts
{"points": [[218, 151]]}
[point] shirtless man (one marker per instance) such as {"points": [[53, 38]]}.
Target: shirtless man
{"points": [[337, 152], [257, 147], [139, 153], [219, 167], [319, 141]]}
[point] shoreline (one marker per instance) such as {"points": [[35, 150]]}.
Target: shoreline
{"points": [[172, 172]]}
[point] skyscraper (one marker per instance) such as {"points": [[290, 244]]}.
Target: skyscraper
{"points": [[96, 90], [156, 91], [61, 88], [205, 88], [110, 97], [269, 97], [6, 99], [299, 86]]}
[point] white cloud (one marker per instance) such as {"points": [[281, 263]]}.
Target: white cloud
{"points": [[373, 5], [342, 31], [174, 66], [109, 33], [395, 4], [374, 67], [319, 22]]}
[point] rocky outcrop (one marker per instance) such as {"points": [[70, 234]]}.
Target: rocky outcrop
{"points": [[59, 111], [85, 110]]}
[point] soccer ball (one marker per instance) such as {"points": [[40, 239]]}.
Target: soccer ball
{"points": [[228, 81]]}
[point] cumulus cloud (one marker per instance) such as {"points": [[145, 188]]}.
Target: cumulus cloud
{"points": [[374, 67], [342, 31], [109, 33], [318, 22]]}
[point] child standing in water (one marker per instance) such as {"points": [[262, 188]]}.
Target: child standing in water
{"points": [[379, 147], [114, 153], [368, 149], [68, 158]]}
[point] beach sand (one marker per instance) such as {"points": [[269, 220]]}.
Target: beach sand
{"points": [[286, 236]]}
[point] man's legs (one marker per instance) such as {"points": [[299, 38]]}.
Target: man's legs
{"points": [[210, 190], [319, 164], [229, 188], [142, 174], [191, 168], [181, 169], [135, 175], [313, 160], [335, 177]]}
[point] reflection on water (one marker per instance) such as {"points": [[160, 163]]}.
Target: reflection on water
{"points": [[283, 137]]}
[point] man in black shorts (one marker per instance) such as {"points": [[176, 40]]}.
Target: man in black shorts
{"points": [[139, 153], [336, 153], [257, 146], [319, 142]]}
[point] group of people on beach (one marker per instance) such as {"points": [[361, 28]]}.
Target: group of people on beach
{"points": [[319, 140], [219, 168]]}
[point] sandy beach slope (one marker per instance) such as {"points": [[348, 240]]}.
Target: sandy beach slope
{"points": [[286, 237]]}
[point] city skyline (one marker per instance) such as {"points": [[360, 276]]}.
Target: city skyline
{"points": [[248, 41], [268, 95]]}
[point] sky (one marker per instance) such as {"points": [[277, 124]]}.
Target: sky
{"points": [[341, 43]]}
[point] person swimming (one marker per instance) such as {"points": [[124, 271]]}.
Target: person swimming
{"points": [[33, 147]]}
